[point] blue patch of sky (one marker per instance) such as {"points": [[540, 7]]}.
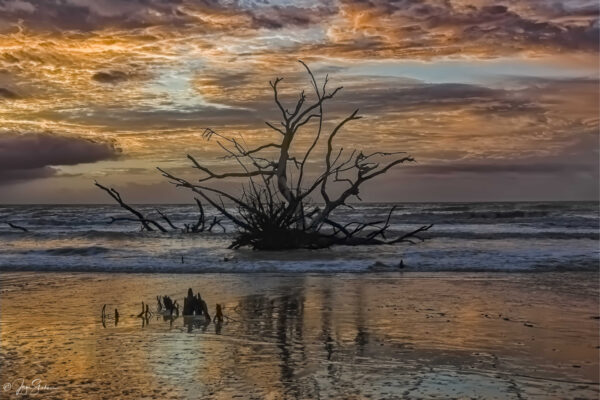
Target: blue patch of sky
{"points": [[174, 89], [473, 71]]}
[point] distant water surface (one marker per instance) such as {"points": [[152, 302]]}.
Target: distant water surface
{"points": [[527, 236]]}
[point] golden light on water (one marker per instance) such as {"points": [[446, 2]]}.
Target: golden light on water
{"points": [[299, 336]]}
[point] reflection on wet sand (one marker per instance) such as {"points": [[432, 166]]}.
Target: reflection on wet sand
{"points": [[300, 337]]}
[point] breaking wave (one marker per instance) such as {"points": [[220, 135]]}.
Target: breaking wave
{"points": [[77, 251], [466, 237]]}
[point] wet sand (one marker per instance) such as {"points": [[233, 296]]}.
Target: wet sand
{"points": [[346, 336]]}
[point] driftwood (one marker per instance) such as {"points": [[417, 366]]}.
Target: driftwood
{"points": [[147, 224], [104, 316], [151, 225], [219, 314], [146, 313], [141, 315], [14, 226], [171, 307], [279, 207], [194, 305]]}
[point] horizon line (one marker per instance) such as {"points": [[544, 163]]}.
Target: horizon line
{"points": [[352, 204]]}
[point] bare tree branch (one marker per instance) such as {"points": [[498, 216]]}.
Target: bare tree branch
{"points": [[14, 226], [275, 209], [146, 223], [167, 220]]}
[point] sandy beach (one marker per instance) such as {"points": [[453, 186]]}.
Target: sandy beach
{"points": [[286, 336]]}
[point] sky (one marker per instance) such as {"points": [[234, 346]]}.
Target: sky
{"points": [[496, 100]]}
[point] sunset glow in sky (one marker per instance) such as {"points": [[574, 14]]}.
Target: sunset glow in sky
{"points": [[497, 100]]}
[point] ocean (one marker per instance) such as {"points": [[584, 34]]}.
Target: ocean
{"points": [[466, 237]]}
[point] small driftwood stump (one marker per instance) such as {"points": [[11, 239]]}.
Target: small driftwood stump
{"points": [[194, 305], [219, 314]]}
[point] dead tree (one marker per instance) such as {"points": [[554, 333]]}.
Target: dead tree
{"points": [[279, 207]]}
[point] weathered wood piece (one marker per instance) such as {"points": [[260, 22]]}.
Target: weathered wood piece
{"points": [[219, 314], [18, 227]]}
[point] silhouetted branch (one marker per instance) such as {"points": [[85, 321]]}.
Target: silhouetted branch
{"points": [[198, 226], [167, 220], [14, 226], [146, 223], [150, 225]]}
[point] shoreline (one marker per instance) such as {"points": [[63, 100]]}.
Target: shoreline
{"points": [[392, 271], [372, 267], [341, 335]]}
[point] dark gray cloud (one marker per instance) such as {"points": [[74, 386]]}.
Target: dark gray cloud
{"points": [[276, 17], [418, 94], [398, 96], [143, 119], [16, 175], [32, 155], [402, 25], [110, 76], [8, 94], [423, 27], [89, 15]]}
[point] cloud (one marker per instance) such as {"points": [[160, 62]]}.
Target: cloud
{"points": [[277, 17], [429, 28], [17, 6], [580, 156], [8, 94], [494, 168], [91, 15], [110, 76], [26, 156], [87, 15], [14, 175], [394, 94], [420, 28], [429, 76]]}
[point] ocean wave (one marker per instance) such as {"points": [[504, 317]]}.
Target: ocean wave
{"points": [[585, 265], [77, 251], [488, 214], [467, 232], [512, 235], [448, 208]]}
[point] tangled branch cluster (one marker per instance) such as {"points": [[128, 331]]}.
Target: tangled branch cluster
{"points": [[277, 208]]}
